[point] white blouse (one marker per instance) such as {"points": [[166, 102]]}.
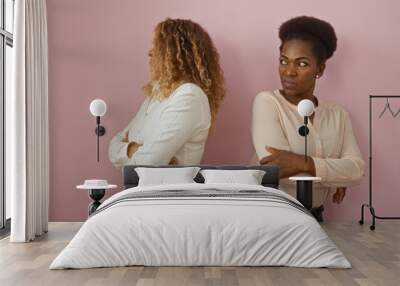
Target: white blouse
{"points": [[174, 127], [331, 142]]}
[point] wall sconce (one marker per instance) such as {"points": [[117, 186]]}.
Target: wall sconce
{"points": [[304, 184], [305, 108], [98, 108]]}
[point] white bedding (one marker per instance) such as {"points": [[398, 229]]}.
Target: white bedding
{"points": [[200, 231]]}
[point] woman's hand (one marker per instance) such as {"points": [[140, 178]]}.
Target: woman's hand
{"points": [[289, 163], [339, 195], [173, 161], [132, 148]]}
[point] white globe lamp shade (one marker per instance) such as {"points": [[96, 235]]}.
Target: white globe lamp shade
{"points": [[98, 107], [305, 107]]}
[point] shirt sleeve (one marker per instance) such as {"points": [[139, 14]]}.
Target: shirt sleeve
{"points": [[347, 170], [266, 128], [177, 123], [117, 150]]}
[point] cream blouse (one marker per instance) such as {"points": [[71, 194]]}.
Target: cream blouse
{"points": [[174, 127], [331, 142]]}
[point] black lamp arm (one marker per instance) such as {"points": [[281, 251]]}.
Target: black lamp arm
{"points": [[305, 138], [100, 131]]}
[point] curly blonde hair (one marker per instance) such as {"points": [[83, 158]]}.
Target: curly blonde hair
{"points": [[183, 52]]}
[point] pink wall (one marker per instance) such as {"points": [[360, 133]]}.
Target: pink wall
{"points": [[98, 49]]}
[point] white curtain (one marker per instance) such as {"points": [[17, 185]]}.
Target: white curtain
{"points": [[27, 123]]}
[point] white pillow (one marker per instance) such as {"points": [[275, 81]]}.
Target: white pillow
{"points": [[248, 177], [163, 176]]}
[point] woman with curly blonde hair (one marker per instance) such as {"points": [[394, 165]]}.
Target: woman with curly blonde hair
{"points": [[182, 99]]}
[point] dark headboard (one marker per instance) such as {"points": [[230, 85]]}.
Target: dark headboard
{"points": [[270, 179]]}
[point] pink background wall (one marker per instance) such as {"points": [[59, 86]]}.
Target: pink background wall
{"points": [[98, 49]]}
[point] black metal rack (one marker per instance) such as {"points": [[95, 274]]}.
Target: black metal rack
{"points": [[369, 205]]}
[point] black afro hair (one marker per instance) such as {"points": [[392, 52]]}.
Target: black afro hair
{"points": [[320, 33]]}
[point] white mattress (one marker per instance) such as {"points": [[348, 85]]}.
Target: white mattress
{"points": [[200, 231]]}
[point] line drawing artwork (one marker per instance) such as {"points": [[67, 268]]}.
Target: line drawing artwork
{"points": [[388, 107]]}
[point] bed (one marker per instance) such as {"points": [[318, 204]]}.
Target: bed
{"points": [[201, 224]]}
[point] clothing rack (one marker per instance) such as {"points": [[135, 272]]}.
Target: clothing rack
{"points": [[369, 205]]}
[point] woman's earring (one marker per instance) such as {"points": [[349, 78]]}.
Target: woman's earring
{"points": [[317, 76]]}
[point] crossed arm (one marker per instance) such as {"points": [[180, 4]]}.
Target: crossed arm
{"points": [[133, 147], [173, 129], [291, 164], [273, 148]]}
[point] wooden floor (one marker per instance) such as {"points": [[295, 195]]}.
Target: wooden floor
{"points": [[375, 257]]}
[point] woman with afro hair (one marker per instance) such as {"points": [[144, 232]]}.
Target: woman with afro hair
{"points": [[182, 99], [306, 44]]}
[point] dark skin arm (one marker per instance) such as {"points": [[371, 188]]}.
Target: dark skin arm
{"points": [[291, 164]]}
